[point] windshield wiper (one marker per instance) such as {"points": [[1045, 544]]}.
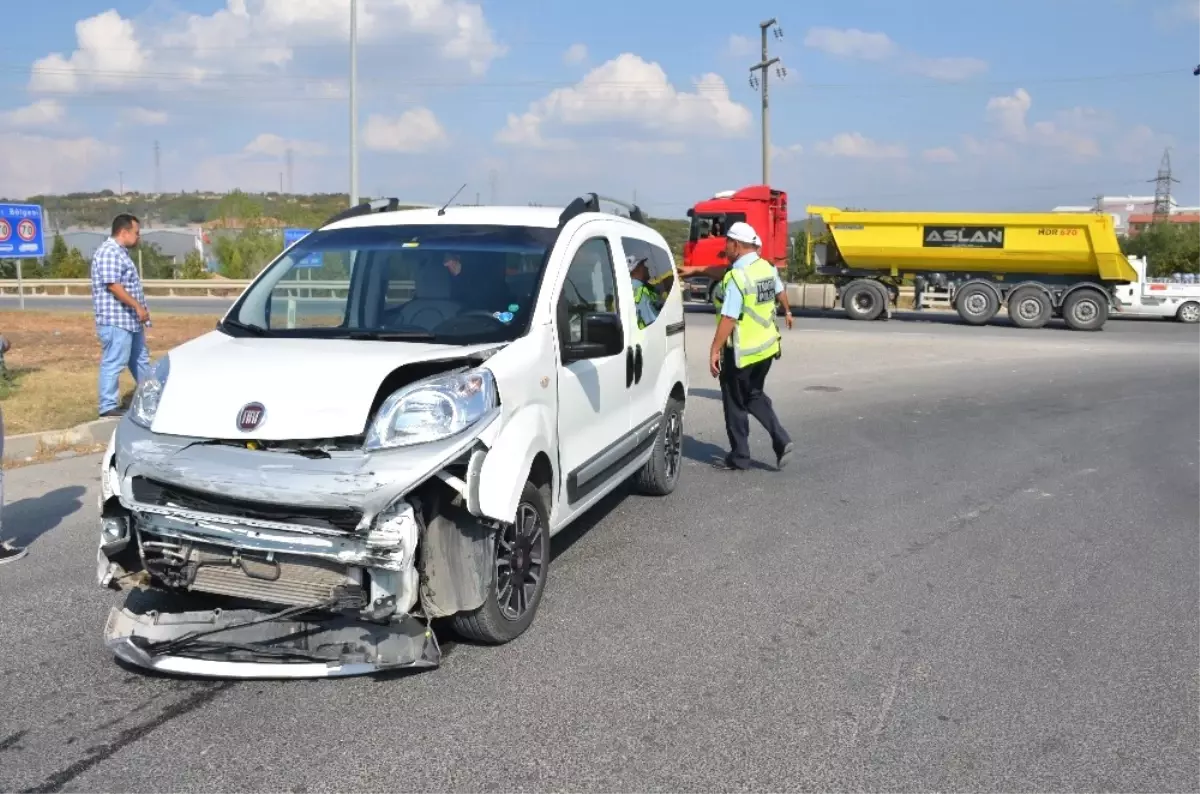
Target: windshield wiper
{"points": [[245, 329], [392, 336]]}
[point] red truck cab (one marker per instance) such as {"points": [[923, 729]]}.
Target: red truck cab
{"points": [[758, 205]]}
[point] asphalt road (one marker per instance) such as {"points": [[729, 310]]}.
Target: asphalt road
{"points": [[980, 573]]}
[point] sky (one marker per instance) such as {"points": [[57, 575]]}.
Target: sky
{"points": [[881, 104]]}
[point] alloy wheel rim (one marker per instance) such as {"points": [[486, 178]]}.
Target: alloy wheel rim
{"points": [[519, 562]]}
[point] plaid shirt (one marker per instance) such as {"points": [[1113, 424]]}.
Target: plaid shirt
{"points": [[111, 265]]}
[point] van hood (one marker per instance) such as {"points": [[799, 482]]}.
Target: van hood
{"points": [[308, 388]]}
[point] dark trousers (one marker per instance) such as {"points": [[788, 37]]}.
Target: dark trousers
{"points": [[742, 396]]}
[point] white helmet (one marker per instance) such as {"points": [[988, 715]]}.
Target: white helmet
{"points": [[743, 232]]}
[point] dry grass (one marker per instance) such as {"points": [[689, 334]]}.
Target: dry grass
{"points": [[54, 363]]}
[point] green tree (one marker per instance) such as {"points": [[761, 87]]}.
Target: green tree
{"points": [[58, 255], [73, 265], [193, 267], [155, 264], [1168, 248]]}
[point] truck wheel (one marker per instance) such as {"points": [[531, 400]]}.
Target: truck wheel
{"points": [[1188, 313], [519, 560], [863, 300], [1085, 310], [976, 304], [1029, 307], [661, 472]]}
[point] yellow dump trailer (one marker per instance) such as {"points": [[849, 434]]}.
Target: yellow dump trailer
{"points": [[1037, 265]]}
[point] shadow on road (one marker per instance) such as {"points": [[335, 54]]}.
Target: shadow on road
{"points": [[706, 453], [28, 519]]}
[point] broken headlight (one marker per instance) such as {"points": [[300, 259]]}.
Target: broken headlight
{"points": [[145, 400], [432, 410]]}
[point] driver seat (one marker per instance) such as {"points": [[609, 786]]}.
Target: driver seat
{"points": [[431, 304]]}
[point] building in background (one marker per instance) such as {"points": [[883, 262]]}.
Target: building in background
{"points": [[1124, 209], [175, 243], [1187, 215]]}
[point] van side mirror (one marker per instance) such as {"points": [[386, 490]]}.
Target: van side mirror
{"points": [[603, 336]]}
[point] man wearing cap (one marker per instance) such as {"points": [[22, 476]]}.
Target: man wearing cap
{"points": [[645, 300], [745, 344]]}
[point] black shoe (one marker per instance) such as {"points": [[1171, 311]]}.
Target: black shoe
{"points": [[115, 413], [783, 457], [10, 553], [726, 464]]}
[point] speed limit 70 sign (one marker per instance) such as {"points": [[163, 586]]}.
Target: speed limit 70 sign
{"points": [[21, 231]]}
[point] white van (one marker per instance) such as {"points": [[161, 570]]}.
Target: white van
{"points": [[385, 429]]}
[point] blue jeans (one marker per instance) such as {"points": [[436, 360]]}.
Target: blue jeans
{"points": [[120, 349]]}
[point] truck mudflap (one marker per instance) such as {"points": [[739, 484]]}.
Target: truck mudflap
{"points": [[257, 644]]}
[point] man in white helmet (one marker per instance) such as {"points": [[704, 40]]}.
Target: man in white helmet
{"points": [[745, 344]]}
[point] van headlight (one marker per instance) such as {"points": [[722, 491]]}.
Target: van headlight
{"points": [[432, 410], [145, 400]]}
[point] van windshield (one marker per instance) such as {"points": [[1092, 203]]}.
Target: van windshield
{"points": [[446, 283]]}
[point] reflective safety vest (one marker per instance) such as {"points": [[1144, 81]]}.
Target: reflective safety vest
{"points": [[755, 338], [643, 293]]}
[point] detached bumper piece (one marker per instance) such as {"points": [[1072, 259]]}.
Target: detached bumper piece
{"points": [[249, 643]]}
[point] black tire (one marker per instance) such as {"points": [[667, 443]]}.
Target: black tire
{"points": [[491, 623], [864, 299], [1029, 307], [1085, 310], [660, 474], [976, 304], [1189, 312]]}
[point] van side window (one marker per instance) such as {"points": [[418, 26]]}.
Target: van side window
{"points": [[657, 281], [589, 288]]}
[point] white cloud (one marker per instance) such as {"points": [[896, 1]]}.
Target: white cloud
{"points": [[414, 131], [1070, 132], [851, 43], [788, 153], [42, 113], [947, 70], [1177, 12], [33, 164], [144, 117], [862, 45], [271, 145], [630, 93], [257, 35], [739, 46], [108, 55], [857, 146], [941, 154], [576, 53]]}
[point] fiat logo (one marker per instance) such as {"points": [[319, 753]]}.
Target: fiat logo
{"points": [[250, 417]]}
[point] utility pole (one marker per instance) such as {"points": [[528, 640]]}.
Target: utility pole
{"points": [[1162, 188], [762, 66], [120, 183], [353, 103], [157, 169], [492, 180], [1099, 205], [290, 166]]}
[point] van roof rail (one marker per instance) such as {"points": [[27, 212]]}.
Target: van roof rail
{"points": [[590, 202], [378, 205]]}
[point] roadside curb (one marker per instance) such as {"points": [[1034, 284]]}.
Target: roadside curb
{"points": [[29, 445]]}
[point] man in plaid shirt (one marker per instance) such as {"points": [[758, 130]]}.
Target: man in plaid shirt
{"points": [[119, 305]]}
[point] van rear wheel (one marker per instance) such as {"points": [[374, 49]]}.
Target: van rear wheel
{"points": [[1189, 312], [660, 474]]}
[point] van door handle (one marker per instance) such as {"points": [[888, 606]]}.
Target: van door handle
{"points": [[628, 367], [637, 364]]}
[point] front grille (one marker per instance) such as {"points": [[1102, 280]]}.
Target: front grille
{"points": [[287, 579], [159, 494]]}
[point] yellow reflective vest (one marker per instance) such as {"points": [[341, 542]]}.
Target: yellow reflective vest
{"points": [[755, 338]]}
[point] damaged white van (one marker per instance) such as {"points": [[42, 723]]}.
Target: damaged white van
{"points": [[385, 430]]}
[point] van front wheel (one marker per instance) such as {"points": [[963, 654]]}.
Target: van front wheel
{"points": [[520, 558]]}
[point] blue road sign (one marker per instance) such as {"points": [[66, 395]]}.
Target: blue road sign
{"points": [[21, 231], [292, 236]]}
